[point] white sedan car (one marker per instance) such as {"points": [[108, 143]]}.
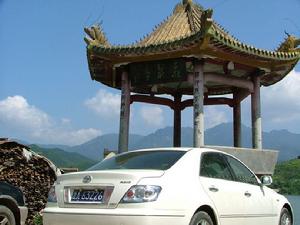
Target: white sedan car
{"points": [[178, 186]]}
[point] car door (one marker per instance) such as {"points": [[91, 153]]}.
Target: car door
{"points": [[258, 202], [218, 182]]}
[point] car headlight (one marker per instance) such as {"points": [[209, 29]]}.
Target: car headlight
{"points": [[52, 195], [141, 193]]}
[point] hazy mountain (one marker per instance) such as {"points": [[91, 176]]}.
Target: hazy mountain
{"points": [[288, 143], [160, 138], [62, 147], [283, 140], [64, 159], [48, 146], [94, 148]]}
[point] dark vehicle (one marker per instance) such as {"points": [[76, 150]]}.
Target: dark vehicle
{"points": [[12, 205]]}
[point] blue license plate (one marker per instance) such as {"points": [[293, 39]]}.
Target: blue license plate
{"points": [[87, 196]]}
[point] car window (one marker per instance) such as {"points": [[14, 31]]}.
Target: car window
{"points": [[214, 165], [14, 192], [241, 172], [156, 160]]}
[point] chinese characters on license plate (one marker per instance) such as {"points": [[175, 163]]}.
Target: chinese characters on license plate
{"points": [[88, 196]]}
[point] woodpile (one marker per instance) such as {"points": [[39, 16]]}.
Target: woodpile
{"points": [[32, 173]]}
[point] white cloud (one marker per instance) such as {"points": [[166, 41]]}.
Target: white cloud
{"points": [[213, 116], [105, 104], [153, 116], [281, 102], [16, 111], [65, 121], [17, 115]]}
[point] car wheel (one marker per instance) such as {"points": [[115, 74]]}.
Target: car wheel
{"points": [[285, 217], [6, 216], [201, 218]]}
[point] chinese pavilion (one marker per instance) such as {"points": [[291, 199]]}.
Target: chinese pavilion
{"points": [[189, 54]]}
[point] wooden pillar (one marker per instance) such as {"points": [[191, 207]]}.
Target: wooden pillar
{"points": [[198, 104], [256, 114], [177, 121], [124, 114], [237, 122]]}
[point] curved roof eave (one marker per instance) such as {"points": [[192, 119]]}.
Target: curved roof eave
{"points": [[217, 38]]}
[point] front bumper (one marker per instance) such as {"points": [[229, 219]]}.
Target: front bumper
{"points": [[23, 214], [65, 216]]}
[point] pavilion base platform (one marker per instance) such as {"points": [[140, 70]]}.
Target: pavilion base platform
{"points": [[261, 162]]}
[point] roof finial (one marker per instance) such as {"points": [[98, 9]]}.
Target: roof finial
{"points": [[184, 2], [95, 36], [287, 34]]}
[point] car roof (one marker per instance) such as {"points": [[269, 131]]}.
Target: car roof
{"points": [[186, 149]]}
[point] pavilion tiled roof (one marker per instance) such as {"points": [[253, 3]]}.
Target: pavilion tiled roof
{"points": [[184, 22], [181, 24], [187, 28]]}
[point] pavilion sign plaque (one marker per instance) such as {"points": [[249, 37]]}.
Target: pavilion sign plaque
{"points": [[157, 72]]}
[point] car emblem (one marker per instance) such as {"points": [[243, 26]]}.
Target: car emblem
{"points": [[87, 179]]}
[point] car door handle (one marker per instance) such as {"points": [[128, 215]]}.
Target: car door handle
{"points": [[213, 189], [247, 194]]}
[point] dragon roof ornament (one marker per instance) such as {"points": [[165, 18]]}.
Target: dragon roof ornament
{"points": [[96, 36], [185, 2], [290, 44]]}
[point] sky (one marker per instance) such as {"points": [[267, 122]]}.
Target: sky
{"points": [[47, 95]]}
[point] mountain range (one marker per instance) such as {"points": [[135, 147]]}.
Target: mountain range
{"points": [[63, 159], [287, 143]]}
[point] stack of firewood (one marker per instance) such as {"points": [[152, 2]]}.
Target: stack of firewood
{"points": [[32, 173]]}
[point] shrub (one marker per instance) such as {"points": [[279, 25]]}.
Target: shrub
{"points": [[38, 219]]}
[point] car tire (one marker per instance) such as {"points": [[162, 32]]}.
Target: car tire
{"points": [[201, 218], [285, 217], [6, 216]]}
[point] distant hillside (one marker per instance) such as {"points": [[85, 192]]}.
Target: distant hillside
{"points": [[62, 147], [288, 143], [64, 159], [94, 148], [287, 177], [285, 141]]}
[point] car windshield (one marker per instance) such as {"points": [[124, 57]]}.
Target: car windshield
{"points": [[154, 160]]}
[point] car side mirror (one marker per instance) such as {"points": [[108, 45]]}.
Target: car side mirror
{"points": [[266, 180]]}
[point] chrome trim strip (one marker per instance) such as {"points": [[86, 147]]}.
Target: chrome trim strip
{"points": [[92, 214], [247, 215]]}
